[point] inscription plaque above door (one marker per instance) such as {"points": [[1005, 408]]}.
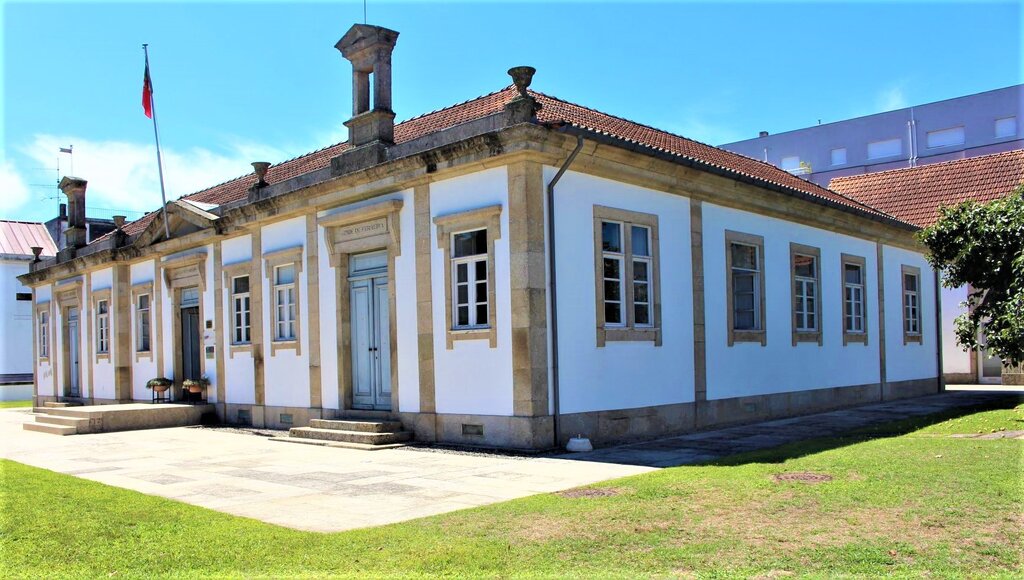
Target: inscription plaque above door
{"points": [[361, 230]]}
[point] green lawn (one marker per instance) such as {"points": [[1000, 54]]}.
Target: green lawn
{"points": [[908, 505], [14, 404]]}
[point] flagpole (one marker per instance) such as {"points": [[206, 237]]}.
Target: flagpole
{"points": [[156, 136]]}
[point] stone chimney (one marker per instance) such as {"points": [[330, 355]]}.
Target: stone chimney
{"points": [[369, 49], [74, 188]]}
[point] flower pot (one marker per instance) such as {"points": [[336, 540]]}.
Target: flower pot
{"points": [[160, 388], [195, 388]]}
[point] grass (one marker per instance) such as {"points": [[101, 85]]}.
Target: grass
{"points": [[905, 505], [14, 404]]}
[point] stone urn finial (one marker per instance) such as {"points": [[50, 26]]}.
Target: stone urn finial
{"points": [[36, 252], [261, 168], [522, 76], [119, 221]]}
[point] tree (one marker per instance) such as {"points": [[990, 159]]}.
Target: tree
{"points": [[982, 244]]}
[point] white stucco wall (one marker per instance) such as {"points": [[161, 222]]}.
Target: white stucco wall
{"points": [[328, 326], [239, 379], [103, 370], [913, 360], [405, 306], [45, 369], [15, 319], [286, 374], [473, 378], [751, 369], [143, 368], [954, 358], [620, 375]]}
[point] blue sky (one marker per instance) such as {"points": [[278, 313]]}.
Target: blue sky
{"points": [[244, 81]]}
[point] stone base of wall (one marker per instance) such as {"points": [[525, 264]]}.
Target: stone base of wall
{"points": [[960, 378], [481, 430], [1013, 375], [268, 417], [627, 425]]}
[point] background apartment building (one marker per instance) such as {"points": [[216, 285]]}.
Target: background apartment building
{"points": [[957, 128]]}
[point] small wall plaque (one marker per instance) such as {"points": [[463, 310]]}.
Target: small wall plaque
{"points": [[472, 429]]}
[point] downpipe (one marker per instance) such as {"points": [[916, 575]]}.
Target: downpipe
{"points": [[553, 289]]}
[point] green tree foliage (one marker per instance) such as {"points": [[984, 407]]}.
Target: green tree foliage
{"points": [[982, 244]]}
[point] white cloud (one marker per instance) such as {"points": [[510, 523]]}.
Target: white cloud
{"points": [[123, 175], [891, 99], [13, 190]]}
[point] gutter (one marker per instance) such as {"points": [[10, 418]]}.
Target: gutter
{"points": [[938, 330], [553, 289]]}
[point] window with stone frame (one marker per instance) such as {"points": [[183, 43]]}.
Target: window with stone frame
{"points": [[911, 304], [855, 316], [745, 288], [44, 334], [102, 327], [467, 241], [241, 315], [627, 277], [805, 270], [283, 267], [143, 322]]}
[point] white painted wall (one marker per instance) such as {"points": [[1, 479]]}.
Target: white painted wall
{"points": [[473, 378], [752, 369], [913, 360], [954, 358], [45, 369], [620, 375], [286, 374], [103, 370], [239, 379], [15, 319], [328, 326], [405, 306], [143, 369]]}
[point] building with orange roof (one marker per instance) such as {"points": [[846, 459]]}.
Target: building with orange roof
{"points": [[915, 195], [510, 271]]}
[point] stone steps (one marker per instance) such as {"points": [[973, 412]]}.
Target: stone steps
{"points": [[50, 428], [351, 425], [365, 415], [347, 436], [65, 421]]}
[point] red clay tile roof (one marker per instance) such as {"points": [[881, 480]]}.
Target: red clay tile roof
{"points": [[17, 238], [914, 194], [554, 110]]}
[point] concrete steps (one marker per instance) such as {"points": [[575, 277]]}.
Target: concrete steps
{"points": [[50, 428], [351, 425], [355, 430], [59, 420]]}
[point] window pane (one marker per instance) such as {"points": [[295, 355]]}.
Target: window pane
{"points": [[286, 274], [612, 313], [611, 268], [612, 291], [481, 270], [611, 237], [744, 320], [462, 316], [743, 283], [144, 302], [640, 271], [640, 292], [642, 314], [910, 281], [744, 302], [462, 294], [103, 306], [481, 314], [811, 323], [851, 274], [640, 245], [481, 291], [469, 243], [462, 272], [803, 266], [744, 256], [241, 285]]}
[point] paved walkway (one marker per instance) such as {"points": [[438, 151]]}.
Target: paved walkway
{"points": [[711, 445], [298, 486]]}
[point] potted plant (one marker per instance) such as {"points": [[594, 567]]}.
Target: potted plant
{"points": [[159, 384], [195, 385]]}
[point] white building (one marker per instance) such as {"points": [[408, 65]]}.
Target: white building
{"points": [[16, 242], [915, 195], [408, 271]]}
